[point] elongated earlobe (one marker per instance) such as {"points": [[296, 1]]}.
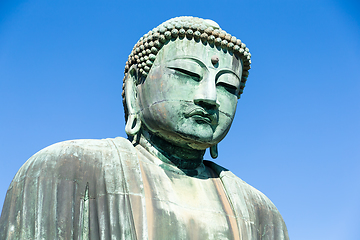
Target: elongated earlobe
{"points": [[214, 151], [133, 125]]}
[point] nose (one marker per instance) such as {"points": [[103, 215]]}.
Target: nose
{"points": [[205, 95]]}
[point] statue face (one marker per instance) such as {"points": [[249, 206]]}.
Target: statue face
{"points": [[190, 95]]}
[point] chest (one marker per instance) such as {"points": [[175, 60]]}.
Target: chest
{"points": [[183, 207]]}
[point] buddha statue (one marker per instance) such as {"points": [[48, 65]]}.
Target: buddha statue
{"points": [[181, 86]]}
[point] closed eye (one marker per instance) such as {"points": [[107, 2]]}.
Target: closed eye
{"points": [[186, 72], [230, 88]]}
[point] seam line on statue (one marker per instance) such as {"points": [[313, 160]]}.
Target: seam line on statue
{"points": [[201, 210], [120, 193], [226, 114]]}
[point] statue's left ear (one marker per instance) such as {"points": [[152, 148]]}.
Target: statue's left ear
{"points": [[133, 123]]}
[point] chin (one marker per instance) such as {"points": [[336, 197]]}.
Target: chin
{"points": [[186, 139], [200, 142]]}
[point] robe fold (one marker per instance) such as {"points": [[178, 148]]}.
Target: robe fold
{"points": [[94, 189]]}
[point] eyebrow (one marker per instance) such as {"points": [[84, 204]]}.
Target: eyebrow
{"points": [[227, 70], [198, 61]]}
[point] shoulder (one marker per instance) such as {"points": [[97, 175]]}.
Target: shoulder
{"points": [[251, 204], [83, 146], [50, 189], [237, 183], [69, 158]]}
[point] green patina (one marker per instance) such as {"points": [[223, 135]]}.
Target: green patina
{"points": [[181, 88]]}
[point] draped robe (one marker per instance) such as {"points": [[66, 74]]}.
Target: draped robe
{"points": [[102, 189]]}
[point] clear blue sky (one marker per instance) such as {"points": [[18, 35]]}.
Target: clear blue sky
{"points": [[296, 134]]}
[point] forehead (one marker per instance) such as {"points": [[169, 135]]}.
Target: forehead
{"points": [[180, 49]]}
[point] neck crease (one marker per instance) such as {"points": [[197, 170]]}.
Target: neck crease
{"points": [[181, 157]]}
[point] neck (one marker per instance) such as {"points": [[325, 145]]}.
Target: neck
{"points": [[181, 157]]}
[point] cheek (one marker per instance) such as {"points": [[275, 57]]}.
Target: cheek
{"points": [[222, 129], [151, 90], [163, 85], [228, 103], [164, 114], [226, 115]]}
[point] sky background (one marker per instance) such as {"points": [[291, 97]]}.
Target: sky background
{"points": [[296, 133]]}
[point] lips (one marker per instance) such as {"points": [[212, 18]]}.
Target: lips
{"points": [[200, 115]]}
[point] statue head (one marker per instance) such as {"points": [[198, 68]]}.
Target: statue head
{"points": [[182, 82]]}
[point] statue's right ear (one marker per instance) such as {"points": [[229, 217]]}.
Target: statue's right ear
{"points": [[133, 123]]}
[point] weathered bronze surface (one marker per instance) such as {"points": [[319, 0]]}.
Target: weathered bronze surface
{"points": [[180, 94]]}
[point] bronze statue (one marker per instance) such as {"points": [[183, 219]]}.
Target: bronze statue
{"points": [[181, 86]]}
